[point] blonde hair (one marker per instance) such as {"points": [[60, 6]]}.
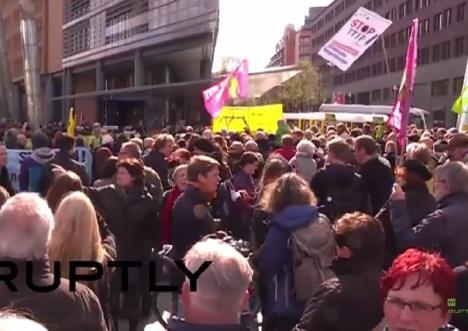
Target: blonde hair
{"points": [[76, 234]]}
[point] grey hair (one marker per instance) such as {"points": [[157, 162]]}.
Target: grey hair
{"points": [[307, 148], [224, 284], [26, 223], [251, 146], [455, 176], [11, 321]]}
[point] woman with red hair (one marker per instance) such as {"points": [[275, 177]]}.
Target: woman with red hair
{"points": [[417, 290]]}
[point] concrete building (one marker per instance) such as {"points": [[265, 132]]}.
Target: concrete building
{"points": [[121, 62], [130, 61], [374, 78], [287, 49], [49, 36], [305, 33]]}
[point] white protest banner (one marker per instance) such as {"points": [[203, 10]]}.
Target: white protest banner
{"points": [[354, 38], [16, 156]]}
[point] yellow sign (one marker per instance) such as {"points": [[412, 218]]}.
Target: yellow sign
{"points": [[260, 117]]}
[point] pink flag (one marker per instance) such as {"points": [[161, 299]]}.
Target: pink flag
{"points": [[240, 80], [235, 85], [400, 113]]}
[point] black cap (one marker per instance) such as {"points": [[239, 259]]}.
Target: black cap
{"points": [[417, 168]]}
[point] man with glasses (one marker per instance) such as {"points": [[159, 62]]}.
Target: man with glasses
{"points": [[418, 289], [446, 229]]}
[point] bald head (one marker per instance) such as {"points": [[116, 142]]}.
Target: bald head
{"points": [[27, 219]]}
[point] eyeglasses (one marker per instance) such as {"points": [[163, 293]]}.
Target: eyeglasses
{"points": [[415, 307]]}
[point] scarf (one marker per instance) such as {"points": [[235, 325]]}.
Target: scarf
{"points": [[166, 214]]}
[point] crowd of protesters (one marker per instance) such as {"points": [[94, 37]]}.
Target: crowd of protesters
{"points": [[348, 229]]}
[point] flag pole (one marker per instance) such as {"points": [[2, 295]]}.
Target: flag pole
{"points": [[462, 119]]}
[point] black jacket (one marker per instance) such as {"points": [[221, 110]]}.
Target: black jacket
{"points": [[420, 203], [378, 181], [176, 324], [331, 308], [5, 181], [64, 160], [339, 181], [191, 220], [459, 317], [158, 163], [445, 230], [132, 216], [59, 310]]}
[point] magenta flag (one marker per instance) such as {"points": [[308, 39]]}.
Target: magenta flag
{"points": [[235, 85], [400, 113], [216, 97]]}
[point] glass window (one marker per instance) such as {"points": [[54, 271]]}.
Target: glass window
{"points": [[440, 88], [460, 46], [461, 12]]}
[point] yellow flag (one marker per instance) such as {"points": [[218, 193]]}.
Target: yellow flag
{"points": [[72, 118]]}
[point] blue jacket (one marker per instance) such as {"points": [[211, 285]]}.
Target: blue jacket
{"points": [[32, 170], [275, 260], [445, 230]]}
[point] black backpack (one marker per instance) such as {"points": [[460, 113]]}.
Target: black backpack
{"points": [[340, 200]]}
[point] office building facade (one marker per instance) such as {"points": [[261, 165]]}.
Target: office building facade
{"points": [[287, 48], [138, 61], [375, 77], [120, 62]]}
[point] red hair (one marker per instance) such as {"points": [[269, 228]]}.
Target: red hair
{"points": [[431, 269]]}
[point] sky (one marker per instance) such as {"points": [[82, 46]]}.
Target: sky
{"points": [[251, 28]]}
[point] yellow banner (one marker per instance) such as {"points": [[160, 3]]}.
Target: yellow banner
{"points": [[235, 119]]}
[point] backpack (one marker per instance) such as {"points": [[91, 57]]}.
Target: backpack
{"points": [[313, 249], [340, 201]]}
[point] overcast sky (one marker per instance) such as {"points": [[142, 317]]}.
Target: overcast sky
{"points": [[251, 28]]}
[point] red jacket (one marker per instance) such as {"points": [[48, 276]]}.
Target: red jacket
{"points": [[286, 152]]}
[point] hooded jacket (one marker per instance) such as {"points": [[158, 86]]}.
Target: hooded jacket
{"points": [[32, 167], [275, 260]]}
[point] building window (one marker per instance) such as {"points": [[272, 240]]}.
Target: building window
{"points": [[424, 27], [440, 88], [436, 53], [401, 11], [408, 7], [423, 56], [401, 63], [460, 46], [393, 14], [386, 94], [338, 80], [437, 22], [401, 37], [447, 18], [446, 50], [457, 85], [392, 65], [376, 95], [393, 40], [461, 12], [417, 4], [438, 117]]}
